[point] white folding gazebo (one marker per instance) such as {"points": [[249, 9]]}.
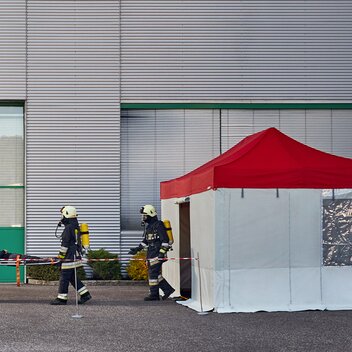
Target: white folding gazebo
{"points": [[255, 223]]}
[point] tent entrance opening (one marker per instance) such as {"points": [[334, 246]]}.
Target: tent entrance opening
{"points": [[185, 251]]}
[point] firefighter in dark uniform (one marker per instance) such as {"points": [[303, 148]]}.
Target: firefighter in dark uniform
{"points": [[70, 253], [156, 241]]}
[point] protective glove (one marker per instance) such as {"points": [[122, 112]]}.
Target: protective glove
{"points": [[61, 255], [162, 252], [134, 250]]}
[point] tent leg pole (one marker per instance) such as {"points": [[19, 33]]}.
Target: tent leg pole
{"points": [[200, 288]]}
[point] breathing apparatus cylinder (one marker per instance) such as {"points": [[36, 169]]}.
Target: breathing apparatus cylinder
{"points": [[168, 228], [84, 236]]}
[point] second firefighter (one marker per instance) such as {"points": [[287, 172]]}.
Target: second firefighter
{"points": [[156, 241]]}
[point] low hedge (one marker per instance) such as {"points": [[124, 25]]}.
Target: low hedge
{"points": [[109, 270], [49, 272]]}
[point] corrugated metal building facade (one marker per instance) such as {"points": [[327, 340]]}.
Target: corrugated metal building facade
{"points": [[121, 94]]}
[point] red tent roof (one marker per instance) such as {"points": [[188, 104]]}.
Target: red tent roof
{"points": [[267, 159]]}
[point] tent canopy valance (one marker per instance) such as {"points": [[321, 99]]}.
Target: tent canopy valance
{"points": [[266, 159]]}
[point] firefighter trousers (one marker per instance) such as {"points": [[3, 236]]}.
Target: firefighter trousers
{"points": [[156, 279], [67, 276]]}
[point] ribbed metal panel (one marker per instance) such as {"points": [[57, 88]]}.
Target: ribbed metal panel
{"points": [[12, 49], [234, 49], [129, 239], [327, 130], [293, 123], [318, 129], [158, 145], [73, 120], [341, 132]]}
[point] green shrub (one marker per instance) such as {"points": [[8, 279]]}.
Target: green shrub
{"points": [[137, 269], [43, 272], [109, 270], [49, 272]]}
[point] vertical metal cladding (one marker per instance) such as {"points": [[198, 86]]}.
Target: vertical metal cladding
{"points": [[159, 145], [327, 130], [73, 120], [12, 49], [231, 49]]}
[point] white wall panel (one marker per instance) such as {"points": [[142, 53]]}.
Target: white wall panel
{"points": [[327, 130], [73, 120], [12, 49], [341, 133], [318, 129], [158, 145], [205, 50]]}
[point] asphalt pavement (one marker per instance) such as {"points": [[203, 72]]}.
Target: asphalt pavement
{"points": [[117, 319]]}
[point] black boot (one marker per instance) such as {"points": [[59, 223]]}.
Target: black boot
{"points": [[168, 294], [152, 298], [167, 289], [84, 298], [58, 302], [154, 294]]}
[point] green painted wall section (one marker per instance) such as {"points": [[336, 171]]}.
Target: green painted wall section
{"points": [[12, 239], [262, 106]]}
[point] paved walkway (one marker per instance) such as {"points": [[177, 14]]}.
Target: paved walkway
{"points": [[117, 319]]}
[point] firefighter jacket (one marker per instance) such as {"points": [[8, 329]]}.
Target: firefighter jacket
{"points": [[155, 238], [70, 252]]}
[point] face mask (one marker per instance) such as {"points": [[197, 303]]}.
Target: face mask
{"points": [[64, 220]]}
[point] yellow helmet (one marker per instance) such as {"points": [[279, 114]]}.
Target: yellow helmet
{"points": [[68, 212], [148, 210]]}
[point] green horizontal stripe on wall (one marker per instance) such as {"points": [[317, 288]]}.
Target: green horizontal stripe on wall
{"points": [[262, 106], [11, 186], [12, 103]]}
